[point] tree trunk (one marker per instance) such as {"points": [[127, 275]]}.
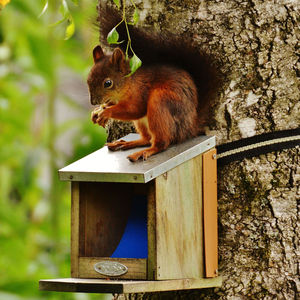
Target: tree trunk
{"points": [[258, 197]]}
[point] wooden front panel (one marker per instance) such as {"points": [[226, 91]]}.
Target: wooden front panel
{"points": [[137, 268], [74, 228], [210, 213], [179, 229], [151, 228]]}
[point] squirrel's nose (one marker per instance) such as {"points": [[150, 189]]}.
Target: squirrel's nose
{"points": [[93, 100]]}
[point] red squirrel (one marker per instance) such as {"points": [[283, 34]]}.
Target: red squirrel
{"points": [[167, 98]]}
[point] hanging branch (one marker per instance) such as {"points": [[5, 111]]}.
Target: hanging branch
{"points": [[66, 16], [113, 35]]}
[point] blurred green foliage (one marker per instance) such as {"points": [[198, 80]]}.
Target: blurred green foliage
{"points": [[34, 205]]}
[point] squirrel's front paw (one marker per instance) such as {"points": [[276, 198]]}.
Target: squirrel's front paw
{"points": [[95, 114], [102, 117]]}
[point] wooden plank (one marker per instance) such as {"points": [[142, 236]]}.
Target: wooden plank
{"points": [[121, 286], [210, 213], [78, 285], [171, 285], [74, 228], [137, 268], [179, 224], [151, 228]]}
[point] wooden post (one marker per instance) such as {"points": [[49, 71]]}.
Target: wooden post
{"points": [[210, 216]]}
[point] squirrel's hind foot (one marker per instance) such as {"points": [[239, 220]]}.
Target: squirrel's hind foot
{"points": [[143, 154], [123, 145]]}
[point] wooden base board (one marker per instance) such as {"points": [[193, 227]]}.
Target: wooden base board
{"points": [[124, 287]]}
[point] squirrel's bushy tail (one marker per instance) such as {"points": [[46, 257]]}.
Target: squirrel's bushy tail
{"points": [[166, 48]]}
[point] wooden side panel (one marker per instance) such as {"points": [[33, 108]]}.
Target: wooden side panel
{"points": [[210, 213], [151, 228], [179, 229], [137, 268], [74, 228]]}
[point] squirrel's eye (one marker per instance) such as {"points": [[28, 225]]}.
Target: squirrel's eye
{"points": [[107, 83]]}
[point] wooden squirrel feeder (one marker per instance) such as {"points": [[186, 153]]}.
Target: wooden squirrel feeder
{"points": [[146, 226]]}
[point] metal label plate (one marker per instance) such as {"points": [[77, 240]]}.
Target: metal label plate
{"points": [[110, 268]]}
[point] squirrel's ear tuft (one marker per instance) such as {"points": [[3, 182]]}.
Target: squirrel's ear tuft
{"points": [[118, 58], [97, 53]]}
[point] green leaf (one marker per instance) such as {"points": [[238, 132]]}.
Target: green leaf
{"points": [[75, 2], [134, 63], [136, 16], [117, 2], [44, 9], [113, 36], [64, 9], [70, 29], [58, 22]]}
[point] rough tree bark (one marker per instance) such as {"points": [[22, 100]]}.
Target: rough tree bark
{"points": [[259, 215]]}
